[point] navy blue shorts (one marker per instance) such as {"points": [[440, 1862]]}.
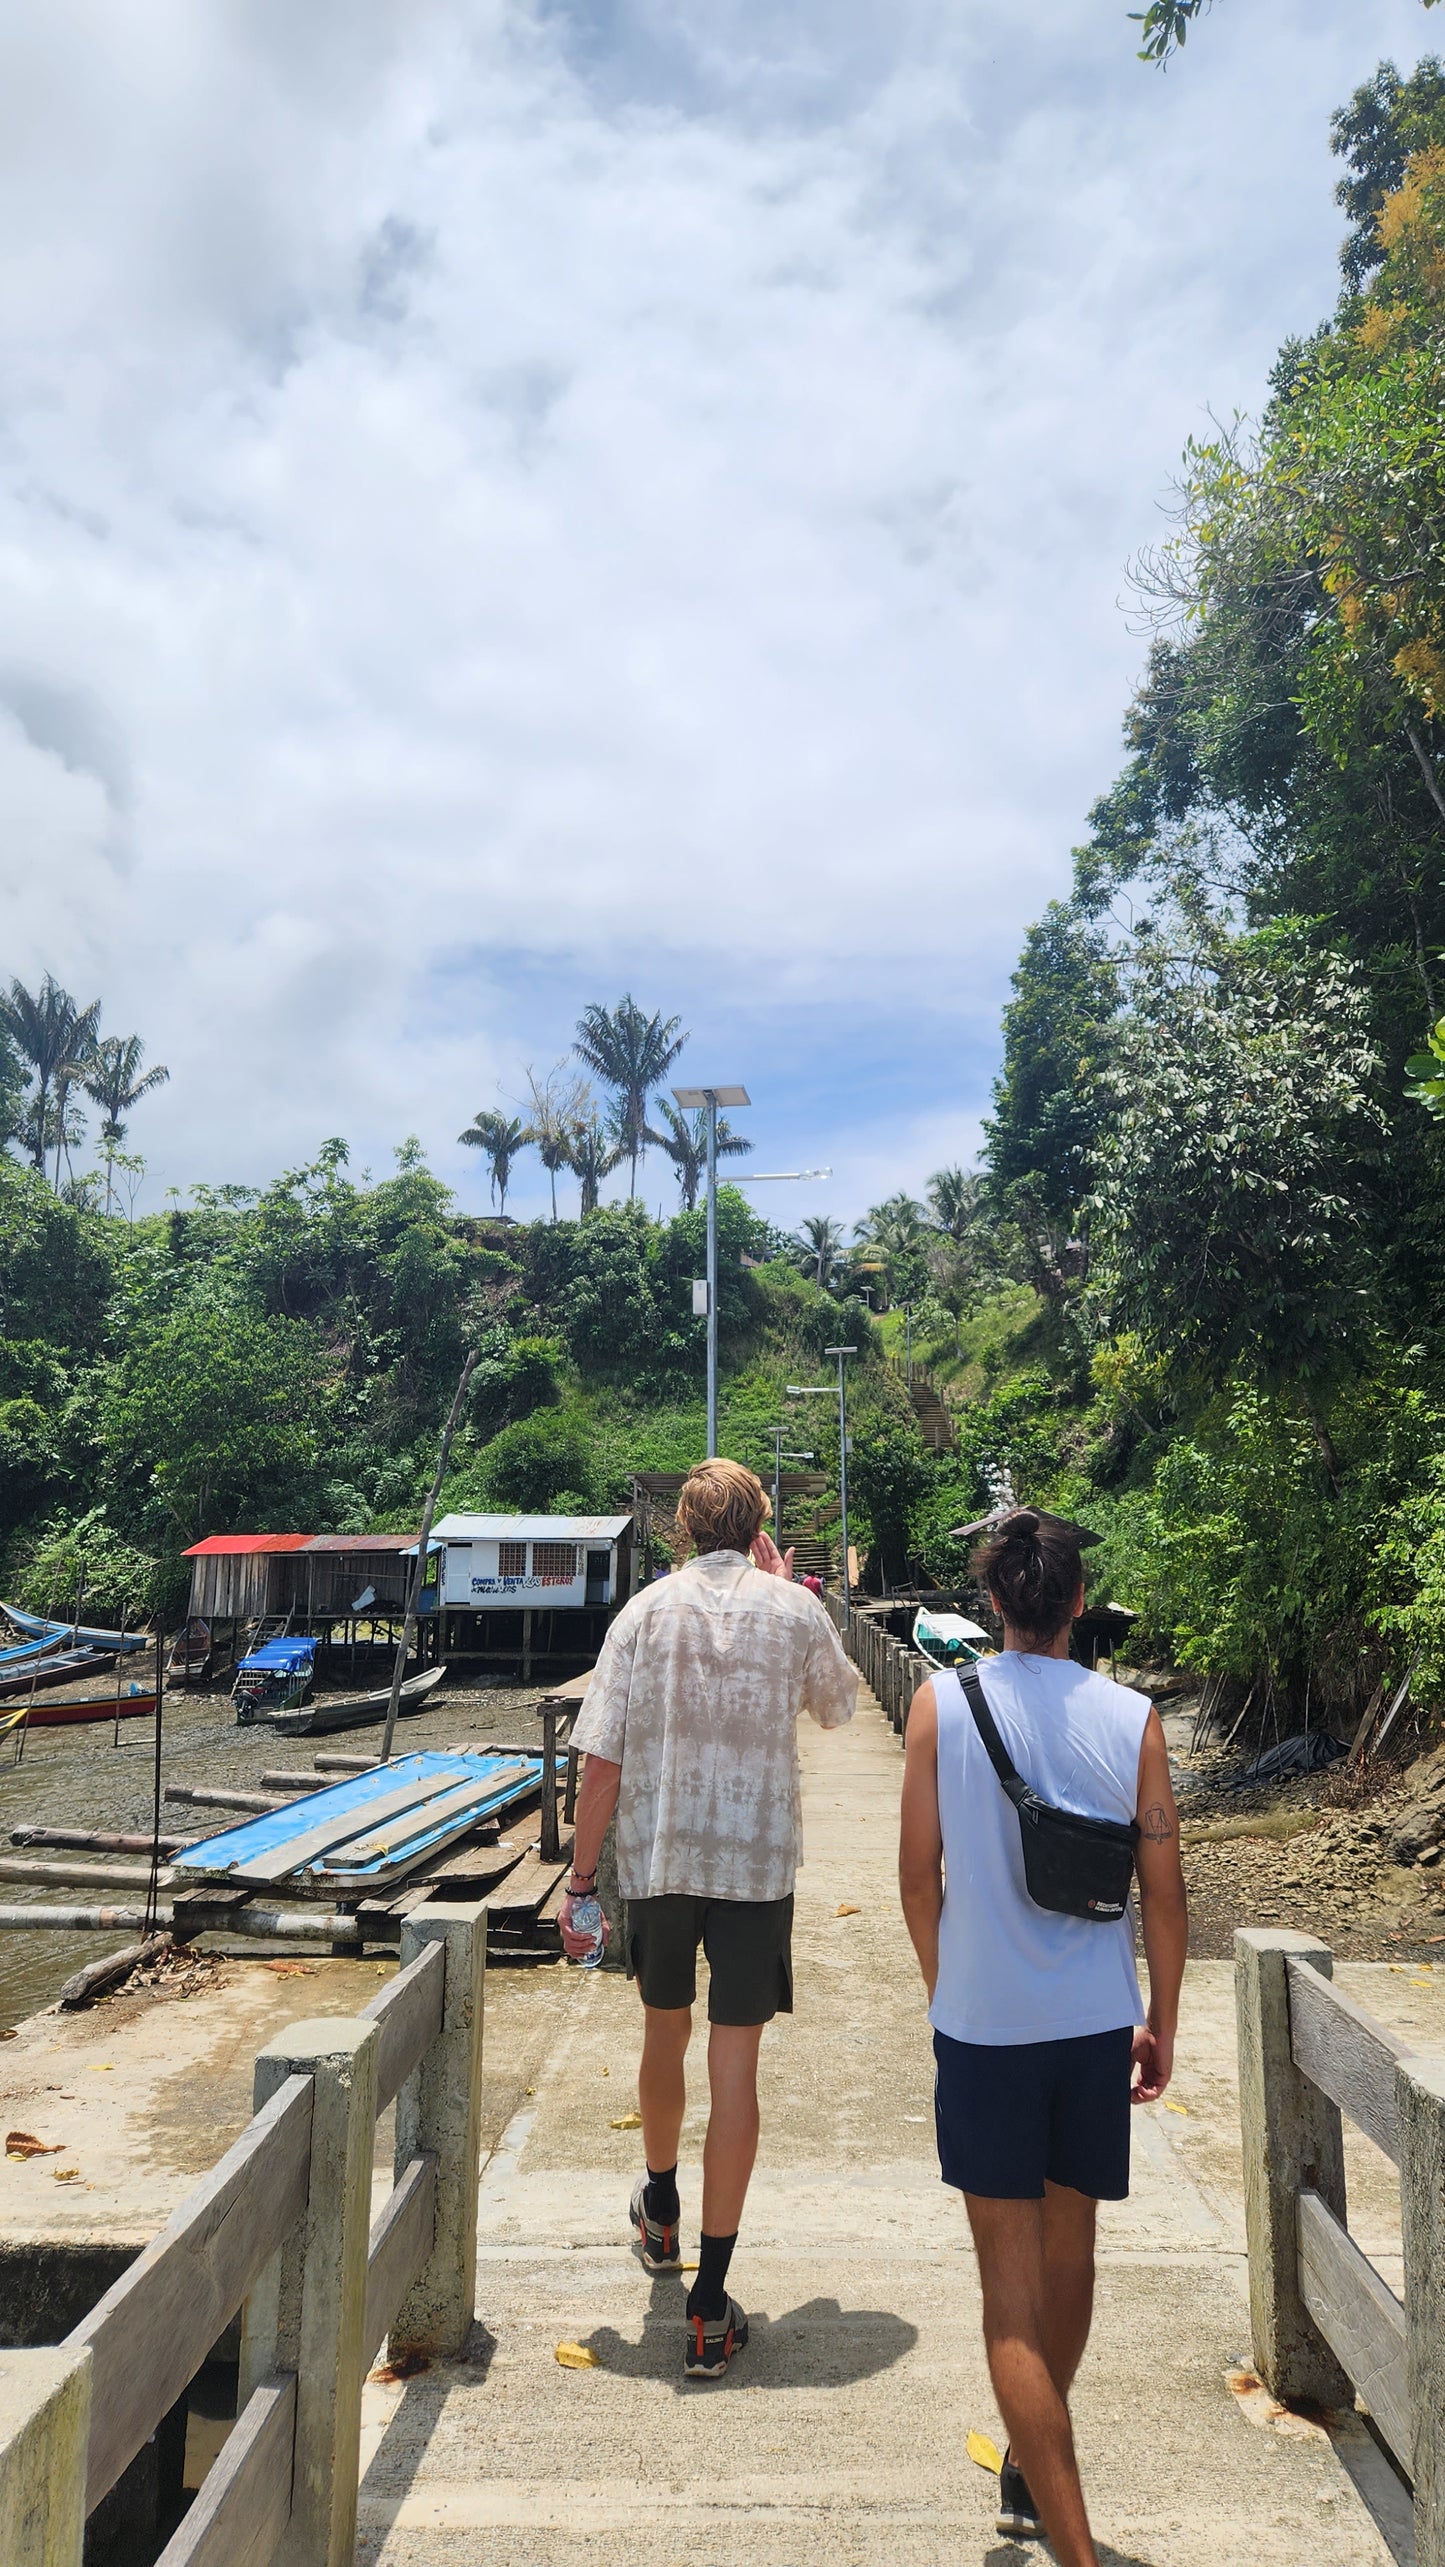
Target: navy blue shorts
{"points": [[1012, 2117]]}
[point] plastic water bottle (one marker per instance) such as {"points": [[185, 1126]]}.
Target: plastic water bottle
{"points": [[586, 1918]]}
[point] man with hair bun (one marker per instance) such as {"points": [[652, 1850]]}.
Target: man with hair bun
{"points": [[689, 1730], [1028, 1958]]}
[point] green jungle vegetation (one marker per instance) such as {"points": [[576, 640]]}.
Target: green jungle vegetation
{"points": [[1193, 1294]]}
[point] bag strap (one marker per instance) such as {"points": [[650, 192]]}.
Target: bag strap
{"points": [[983, 1720]]}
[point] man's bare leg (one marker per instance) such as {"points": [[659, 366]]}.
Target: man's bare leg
{"points": [[732, 2129], [661, 2080], [1010, 2240], [1069, 2223]]}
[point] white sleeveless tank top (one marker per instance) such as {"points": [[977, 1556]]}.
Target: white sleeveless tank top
{"points": [[1009, 1971]]}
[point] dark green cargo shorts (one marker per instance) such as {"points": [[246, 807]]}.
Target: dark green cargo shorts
{"points": [[749, 1948]]}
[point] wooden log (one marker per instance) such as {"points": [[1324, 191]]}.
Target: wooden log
{"points": [[335, 1762], [1359, 2317], [99, 1977], [95, 1840], [243, 2504], [81, 1876], [277, 1780], [1346, 2053], [155, 2326], [217, 1796], [79, 1920]]}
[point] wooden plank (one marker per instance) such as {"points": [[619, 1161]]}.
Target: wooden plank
{"points": [[1346, 2053], [1359, 2317], [244, 2503], [476, 1866], [525, 1888], [345, 1825], [409, 2013], [401, 2240], [155, 2326], [441, 1810]]}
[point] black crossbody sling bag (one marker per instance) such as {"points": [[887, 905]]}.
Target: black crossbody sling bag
{"points": [[1077, 1866]]}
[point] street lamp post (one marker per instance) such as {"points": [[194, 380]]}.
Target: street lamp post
{"points": [[908, 1340], [820, 1390], [708, 1099]]}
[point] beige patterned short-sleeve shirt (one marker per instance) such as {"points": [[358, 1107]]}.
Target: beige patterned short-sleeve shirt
{"points": [[697, 1695]]}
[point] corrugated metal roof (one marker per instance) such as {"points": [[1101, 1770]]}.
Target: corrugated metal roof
{"points": [[531, 1528], [362, 1542], [234, 1545]]}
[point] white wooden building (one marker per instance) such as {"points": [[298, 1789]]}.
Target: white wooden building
{"points": [[546, 1563]]}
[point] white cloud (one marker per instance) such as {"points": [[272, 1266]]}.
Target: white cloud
{"points": [[494, 508]]}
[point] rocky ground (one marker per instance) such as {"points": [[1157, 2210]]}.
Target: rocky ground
{"points": [[1358, 1859]]}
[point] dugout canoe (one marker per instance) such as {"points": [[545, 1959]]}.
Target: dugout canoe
{"points": [[354, 1711]]}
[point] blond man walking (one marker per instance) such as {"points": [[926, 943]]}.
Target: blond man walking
{"points": [[690, 1734]]}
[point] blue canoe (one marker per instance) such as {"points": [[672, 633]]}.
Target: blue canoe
{"points": [[448, 1796], [39, 1628]]}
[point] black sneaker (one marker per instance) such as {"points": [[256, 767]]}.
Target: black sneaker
{"points": [[712, 2342], [1017, 2512], [660, 2240]]}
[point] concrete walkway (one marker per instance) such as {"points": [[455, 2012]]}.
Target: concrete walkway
{"points": [[840, 2434]]}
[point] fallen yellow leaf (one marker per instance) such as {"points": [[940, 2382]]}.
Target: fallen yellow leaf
{"points": [[986, 2453], [1181, 2109], [67, 2174], [628, 2121], [846, 1910], [578, 2357]]}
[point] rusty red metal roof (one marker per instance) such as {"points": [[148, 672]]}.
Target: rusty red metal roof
{"points": [[362, 1542], [235, 1544]]}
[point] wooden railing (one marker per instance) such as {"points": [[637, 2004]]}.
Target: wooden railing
{"points": [[1327, 2326], [281, 2230], [888, 1667]]}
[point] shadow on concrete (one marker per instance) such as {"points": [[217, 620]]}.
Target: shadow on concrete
{"points": [[1013, 2553], [819, 2345]]}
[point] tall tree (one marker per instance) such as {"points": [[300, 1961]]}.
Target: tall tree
{"points": [[116, 1082], [592, 1155], [502, 1137], [632, 1054], [956, 1198], [56, 1038], [894, 1232], [560, 1104], [684, 1138], [1048, 1103], [820, 1244]]}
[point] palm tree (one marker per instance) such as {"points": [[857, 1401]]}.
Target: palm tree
{"points": [[894, 1231], [502, 1136], [592, 1155], [685, 1141], [820, 1245], [560, 1103], [115, 1082], [57, 1039], [632, 1054], [955, 1198]]}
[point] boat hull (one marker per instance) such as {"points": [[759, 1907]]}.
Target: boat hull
{"points": [[61, 1669], [71, 1715], [40, 1627], [363, 1711]]}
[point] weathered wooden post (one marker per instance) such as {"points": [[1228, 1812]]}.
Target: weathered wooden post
{"points": [[1292, 2143], [307, 2313], [1420, 2106], [551, 1839], [44, 2442], [440, 2109]]}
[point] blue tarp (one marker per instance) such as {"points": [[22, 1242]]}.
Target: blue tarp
{"points": [[238, 1846], [288, 1657]]}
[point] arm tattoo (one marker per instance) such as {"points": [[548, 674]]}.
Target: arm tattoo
{"points": [[1157, 1826]]}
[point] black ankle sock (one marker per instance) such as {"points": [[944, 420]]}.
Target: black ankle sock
{"points": [[662, 2201], [709, 2294]]}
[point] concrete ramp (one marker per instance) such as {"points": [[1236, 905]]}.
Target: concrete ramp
{"points": [[840, 2435]]}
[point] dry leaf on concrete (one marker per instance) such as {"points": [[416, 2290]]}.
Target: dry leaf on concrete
{"points": [[628, 2121], [986, 2453], [578, 2357], [67, 2174], [21, 2144], [846, 1910], [1181, 2109]]}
